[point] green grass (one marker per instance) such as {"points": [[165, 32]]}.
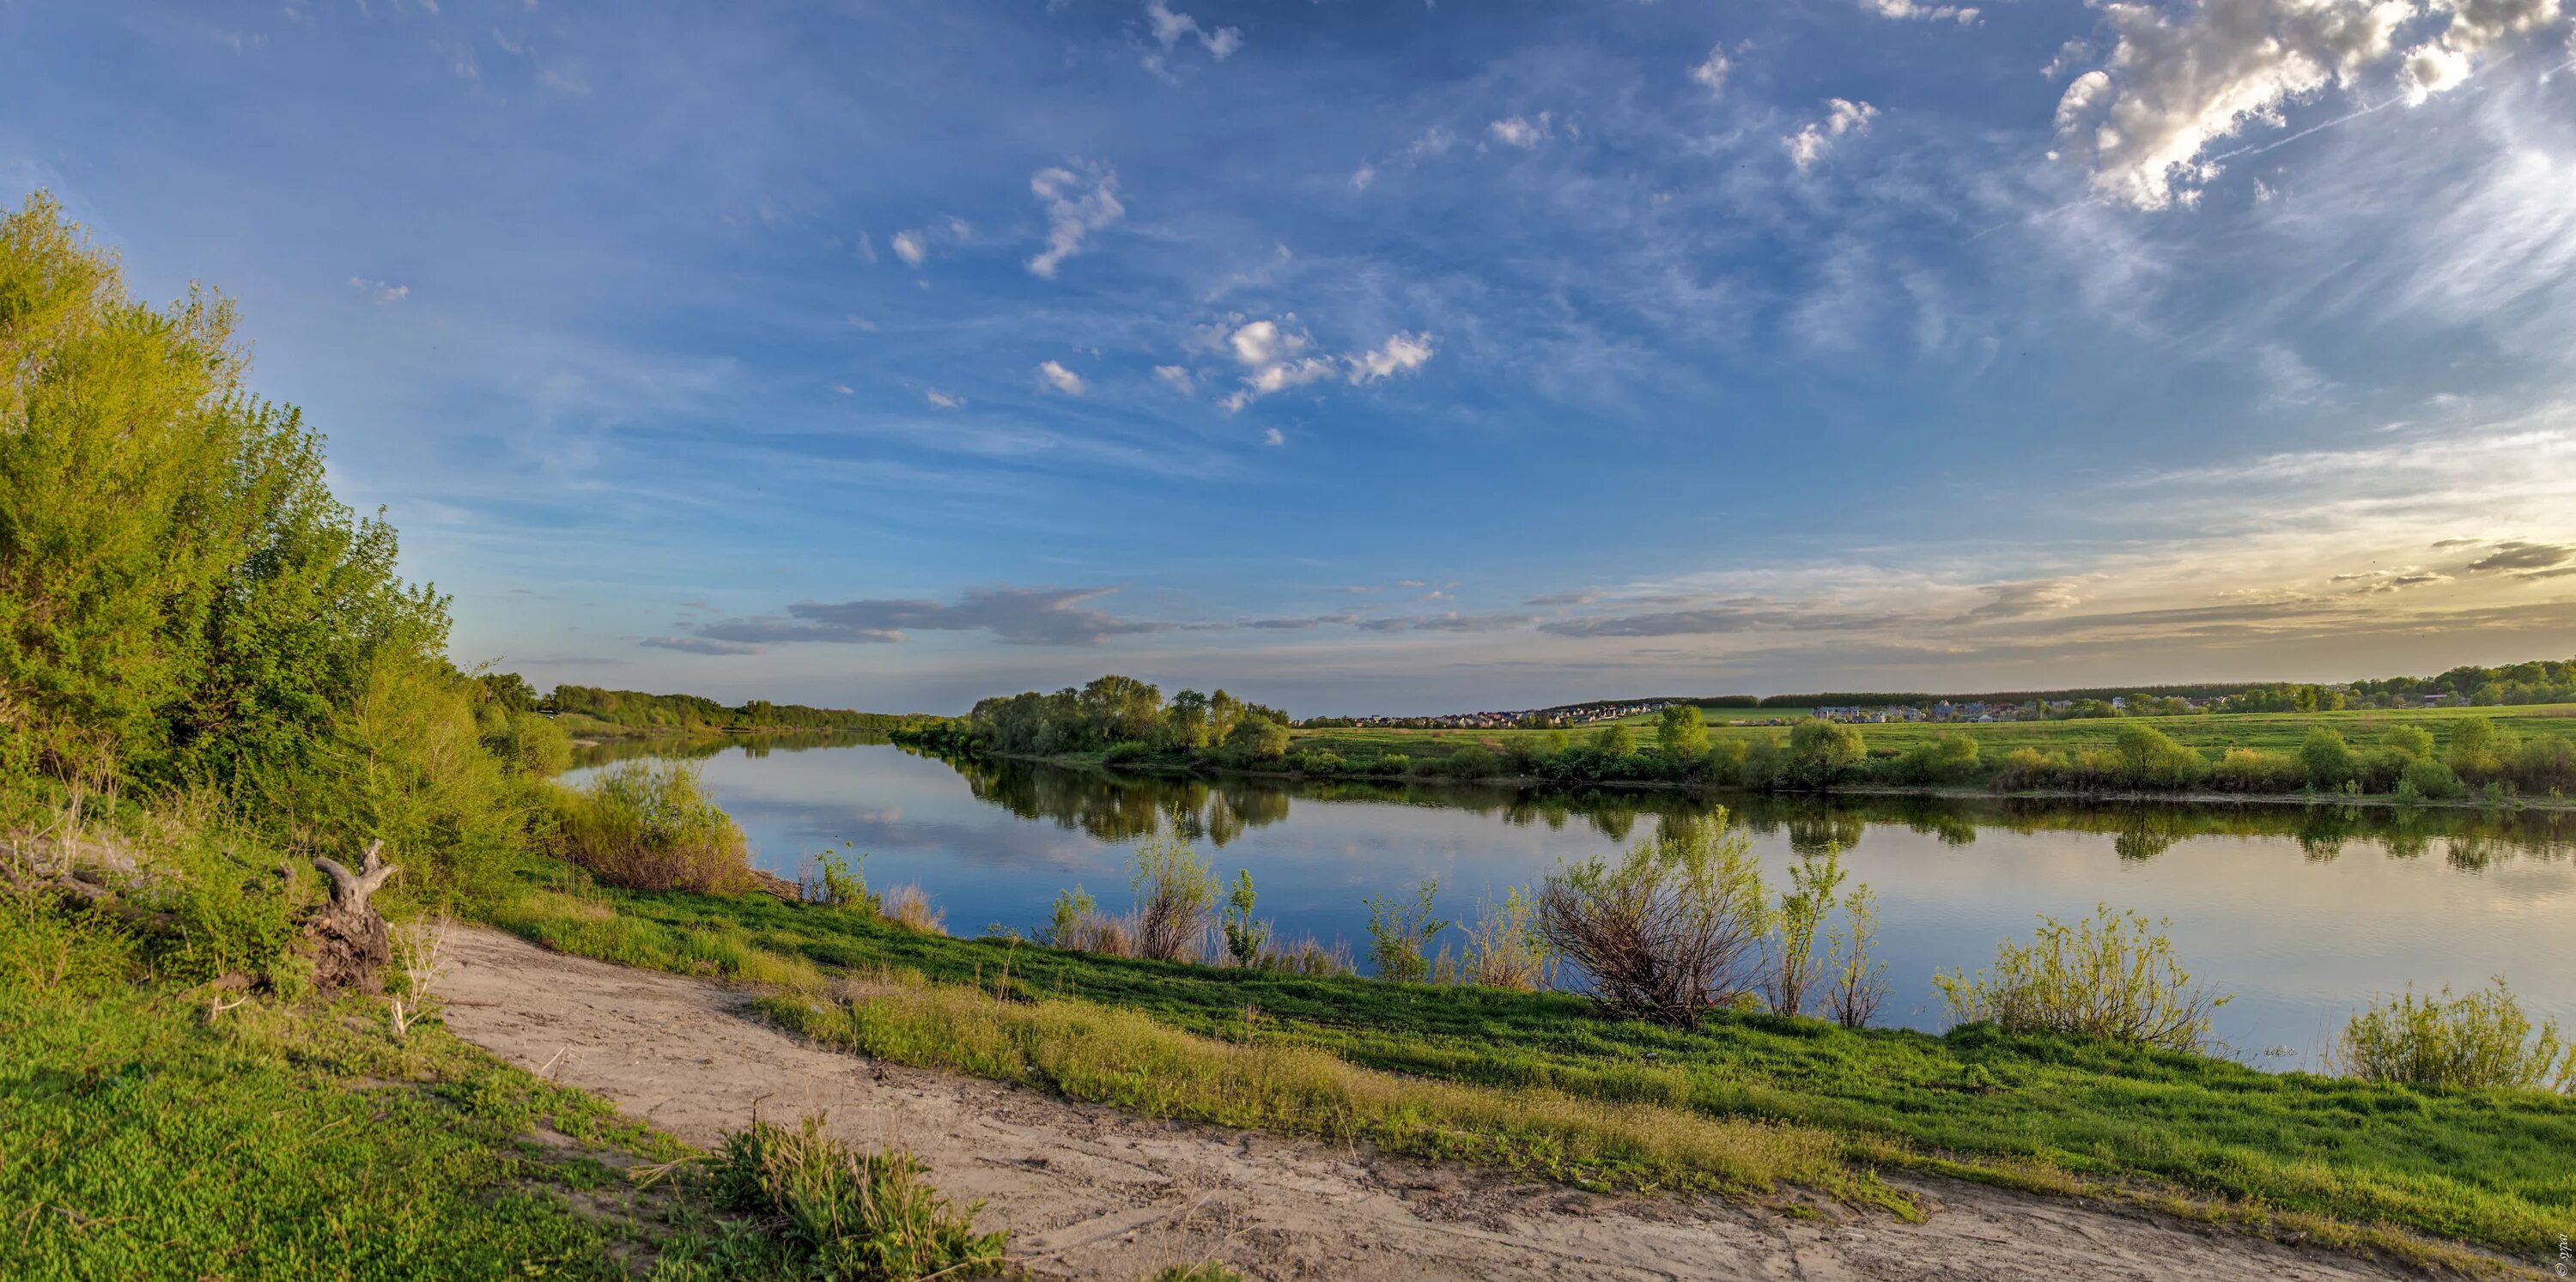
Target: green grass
{"points": [[2211, 732], [148, 1139], [2483, 1167]]}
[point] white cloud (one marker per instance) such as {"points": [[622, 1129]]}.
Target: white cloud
{"points": [[1909, 9], [1077, 205], [867, 249], [1273, 437], [1180, 379], [844, 389], [910, 247], [947, 402], [379, 292], [1399, 354], [1171, 27], [1060, 378], [1521, 132], [2178, 84], [1277, 355], [1362, 177], [1816, 137], [1712, 70]]}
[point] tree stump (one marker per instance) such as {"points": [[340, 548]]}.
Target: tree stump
{"points": [[347, 940]]}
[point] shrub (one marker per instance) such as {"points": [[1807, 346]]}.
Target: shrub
{"points": [[2253, 770], [1064, 926], [1244, 937], [2328, 760], [1175, 897], [1671, 929], [1398, 930], [1305, 957], [1944, 759], [1393, 763], [1318, 762], [2414, 741], [843, 884], [1813, 883], [528, 742], [1822, 753], [1506, 948], [2113, 977], [651, 826], [1119, 754], [1472, 762], [1614, 740], [2478, 1041], [1259, 739], [1858, 985], [2545, 762], [850, 1216], [2027, 768], [2432, 780], [2145, 757]]}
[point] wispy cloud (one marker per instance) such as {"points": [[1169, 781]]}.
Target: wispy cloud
{"points": [[1077, 204], [1017, 616]]}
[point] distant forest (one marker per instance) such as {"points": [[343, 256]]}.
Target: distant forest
{"points": [[636, 710]]}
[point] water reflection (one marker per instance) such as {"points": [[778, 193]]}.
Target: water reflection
{"points": [[2301, 911]]}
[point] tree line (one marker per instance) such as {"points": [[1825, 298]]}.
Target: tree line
{"points": [[634, 709], [1123, 717]]}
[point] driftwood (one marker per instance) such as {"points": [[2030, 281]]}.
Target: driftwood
{"points": [[347, 940]]}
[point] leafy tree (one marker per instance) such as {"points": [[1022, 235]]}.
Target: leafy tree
{"points": [[1614, 740], [1680, 732], [1259, 738], [1185, 722], [1121, 709], [1822, 752]]}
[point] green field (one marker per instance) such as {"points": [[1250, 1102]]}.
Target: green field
{"points": [[2211, 732]]}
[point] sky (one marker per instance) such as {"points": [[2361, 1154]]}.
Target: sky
{"points": [[1366, 356]]}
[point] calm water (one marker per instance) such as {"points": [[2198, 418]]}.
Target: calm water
{"points": [[2301, 913]]}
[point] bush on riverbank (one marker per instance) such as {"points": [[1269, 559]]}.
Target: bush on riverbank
{"points": [[2477, 1041], [651, 826], [2112, 978]]}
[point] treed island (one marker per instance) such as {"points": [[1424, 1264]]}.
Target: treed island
{"points": [[247, 796]]}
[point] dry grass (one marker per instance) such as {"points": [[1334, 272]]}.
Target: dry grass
{"points": [[909, 906], [1104, 1055]]}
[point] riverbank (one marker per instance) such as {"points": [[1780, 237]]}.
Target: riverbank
{"points": [[1101, 762], [2371, 1167], [1096, 1192]]}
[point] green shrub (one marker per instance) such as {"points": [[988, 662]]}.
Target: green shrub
{"points": [[2146, 758], [1176, 894], [2414, 741], [843, 884], [1119, 754], [2114, 977], [1473, 762], [650, 826], [1245, 937], [846, 1215], [2432, 780], [1321, 761], [1393, 763], [528, 742], [1399, 930], [1945, 758], [2328, 760], [2254, 770], [2024, 768], [2478, 1041], [1615, 740], [1822, 753]]}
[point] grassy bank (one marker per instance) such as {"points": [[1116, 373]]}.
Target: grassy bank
{"points": [[163, 1131], [2484, 1167]]}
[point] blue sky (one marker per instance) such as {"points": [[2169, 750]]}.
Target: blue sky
{"points": [[1384, 357]]}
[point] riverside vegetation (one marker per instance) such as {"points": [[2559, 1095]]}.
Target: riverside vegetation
{"points": [[2412, 756], [211, 677], [213, 683]]}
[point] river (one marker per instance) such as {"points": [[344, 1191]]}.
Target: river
{"points": [[2302, 913]]}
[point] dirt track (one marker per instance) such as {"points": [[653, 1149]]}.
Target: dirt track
{"points": [[1095, 1193]]}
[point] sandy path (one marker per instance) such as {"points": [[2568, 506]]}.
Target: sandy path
{"points": [[1092, 1192]]}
